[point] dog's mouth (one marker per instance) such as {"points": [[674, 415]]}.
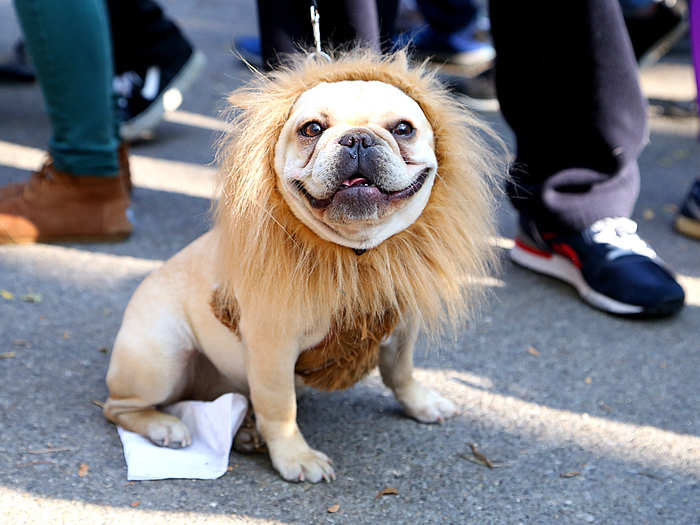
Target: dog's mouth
{"points": [[360, 188]]}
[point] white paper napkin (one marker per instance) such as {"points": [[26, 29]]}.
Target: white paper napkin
{"points": [[212, 426]]}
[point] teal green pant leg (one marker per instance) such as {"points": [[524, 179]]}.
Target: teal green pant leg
{"points": [[69, 42]]}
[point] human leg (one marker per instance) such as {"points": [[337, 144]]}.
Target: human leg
{"points": [[449, 37], [688, 220], [285, 26], [82, 117], [142, 35], [570, 93], [80, 193]]}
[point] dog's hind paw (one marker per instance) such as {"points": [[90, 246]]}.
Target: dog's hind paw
{"points": [[169, 431], [248, 439], [424, 404]]}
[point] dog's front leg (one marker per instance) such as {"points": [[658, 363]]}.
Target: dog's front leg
{"points": [[270, 369], [396, 367]]}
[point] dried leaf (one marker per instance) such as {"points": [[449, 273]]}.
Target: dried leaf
{"points": [[648, 214], [533, 351], [588, 380], [66, 335], [98, 403], [229, 468], [83, 470], [136, 504], [21, 342], [47, 450], [7, 355], [31, 298], [388, 491], [673, 157], [32, 463], [571, 474], [7, 295], [334, 508], [671, 208], [651, 475], [480, 457]]}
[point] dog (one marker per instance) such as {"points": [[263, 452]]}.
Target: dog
{"points": [[355, 209]]}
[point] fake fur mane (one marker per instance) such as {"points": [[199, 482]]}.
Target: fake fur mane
{"points": [[271, 261]]}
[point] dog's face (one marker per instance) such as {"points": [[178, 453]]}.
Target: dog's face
{"points": [[355, 161]]}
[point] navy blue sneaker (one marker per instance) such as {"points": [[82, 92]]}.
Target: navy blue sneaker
{"points": [[688, 220], [250, 49], [609, 265]]}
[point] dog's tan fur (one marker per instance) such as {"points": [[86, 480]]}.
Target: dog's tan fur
{"points": [[287, 288]]}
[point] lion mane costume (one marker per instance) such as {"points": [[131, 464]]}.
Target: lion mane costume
{"points": [[433, 270]]}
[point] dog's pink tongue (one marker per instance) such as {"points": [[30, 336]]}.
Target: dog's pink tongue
{"points": [[354, 181]]}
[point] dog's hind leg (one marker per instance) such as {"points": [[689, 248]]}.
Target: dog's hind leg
{"points": [[396, 367], [248, 439], [143, 375]]}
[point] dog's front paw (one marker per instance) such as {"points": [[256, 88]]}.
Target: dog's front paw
{"points": [[296, 461], [424, 404], [168, 431]]}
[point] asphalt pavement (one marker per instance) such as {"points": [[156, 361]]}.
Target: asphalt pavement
{"points": [[586, 418]]}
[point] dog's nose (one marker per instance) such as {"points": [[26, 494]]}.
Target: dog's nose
{"points": [[357, 139]]}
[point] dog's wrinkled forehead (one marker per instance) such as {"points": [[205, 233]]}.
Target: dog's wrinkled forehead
{"points": [[357, 103]]}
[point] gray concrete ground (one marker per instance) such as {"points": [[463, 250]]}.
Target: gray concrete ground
{"points": [[598, 424]]}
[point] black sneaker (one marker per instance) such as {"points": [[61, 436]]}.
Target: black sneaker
{"points": [[143, 97], [17, 67], [609, 265], [654, 30], [688, 220]]}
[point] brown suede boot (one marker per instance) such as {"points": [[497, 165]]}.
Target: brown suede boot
{"points": [[16, 188], [12, 190], [57, 206], [124, 169]]}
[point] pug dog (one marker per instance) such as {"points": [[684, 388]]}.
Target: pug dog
{"points": [[355, 209]]}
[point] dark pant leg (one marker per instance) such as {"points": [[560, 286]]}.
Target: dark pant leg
{"points": [[285, 26], [143, 36], [447, 16], [567, 84], [695, 40]]}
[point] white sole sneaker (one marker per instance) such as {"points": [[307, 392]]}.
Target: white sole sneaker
{"points": [[561, 268], [169, 100]]}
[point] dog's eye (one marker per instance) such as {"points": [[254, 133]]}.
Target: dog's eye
{"points": [[311, 129], [403, 129]]}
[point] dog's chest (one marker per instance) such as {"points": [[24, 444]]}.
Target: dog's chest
{"points": [[343, 358]]}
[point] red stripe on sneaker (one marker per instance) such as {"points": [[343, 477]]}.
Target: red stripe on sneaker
{"points": [[568, 252], [540, 253]]}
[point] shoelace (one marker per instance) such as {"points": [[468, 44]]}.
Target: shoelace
{"points": [[621, 233], [124, 84]]}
